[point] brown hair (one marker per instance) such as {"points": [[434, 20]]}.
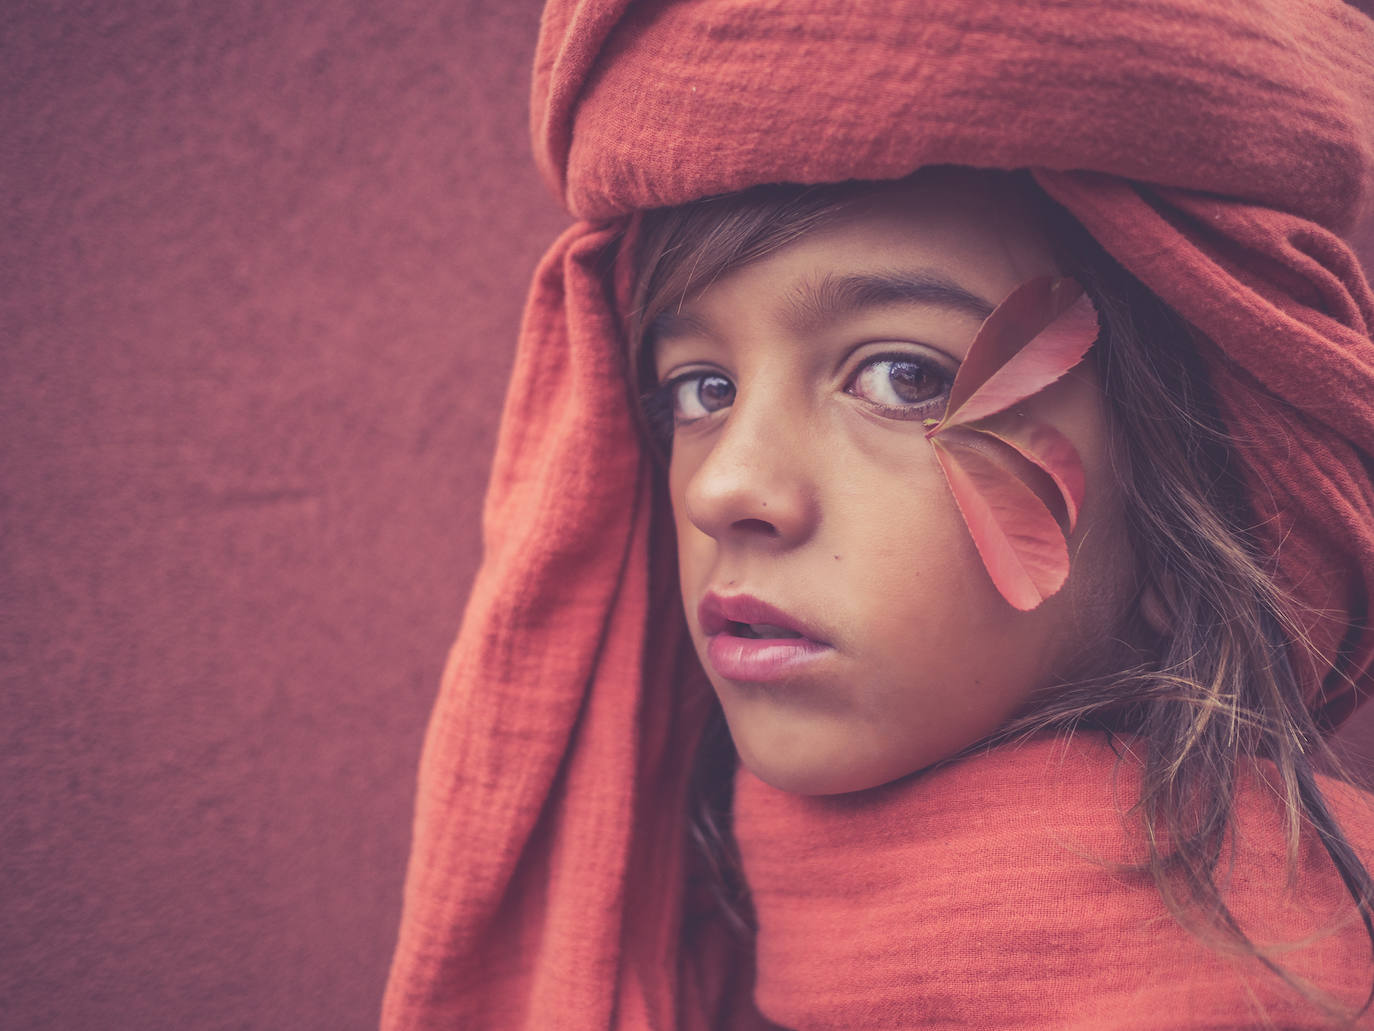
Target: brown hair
{"points": [[1217, 686]]}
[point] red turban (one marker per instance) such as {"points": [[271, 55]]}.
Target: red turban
{"points": [[1217, 148]]}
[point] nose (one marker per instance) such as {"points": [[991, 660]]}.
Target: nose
{"points": [[758, 481]]}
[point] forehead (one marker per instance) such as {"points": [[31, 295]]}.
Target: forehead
{"points": [[964, 226], [954, 242]]}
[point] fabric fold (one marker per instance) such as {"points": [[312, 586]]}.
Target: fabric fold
{"points": [[524, 811], [949, 934]]}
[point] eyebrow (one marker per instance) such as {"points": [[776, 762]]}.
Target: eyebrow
{"points": [[832, 297], [835, 296], [669, 324]]}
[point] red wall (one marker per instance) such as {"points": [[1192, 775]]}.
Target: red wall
{"points": [[260, 275], [260, 272]]}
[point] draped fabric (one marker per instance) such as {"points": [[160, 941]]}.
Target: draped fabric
{"points": [[1049, 927], [1216, 148]]}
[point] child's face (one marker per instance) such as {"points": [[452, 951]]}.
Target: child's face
{"points": [[801, 477]]}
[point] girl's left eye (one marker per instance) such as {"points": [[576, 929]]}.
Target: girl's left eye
{"points": [[903, 386]]}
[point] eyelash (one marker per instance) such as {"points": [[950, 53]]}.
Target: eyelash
{"points": [[660, 409]]}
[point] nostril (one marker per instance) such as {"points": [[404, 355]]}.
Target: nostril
{"points": [[756, 526]]}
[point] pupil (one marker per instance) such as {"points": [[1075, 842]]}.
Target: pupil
{"points": [[911, 382], [715, 392]]}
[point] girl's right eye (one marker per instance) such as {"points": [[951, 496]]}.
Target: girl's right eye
{"points": [[696, 395]]}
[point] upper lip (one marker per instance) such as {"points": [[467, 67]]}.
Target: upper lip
{"points": [[716, 612]]}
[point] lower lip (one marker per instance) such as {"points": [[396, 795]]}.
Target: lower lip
{"points": [[761, 659]]}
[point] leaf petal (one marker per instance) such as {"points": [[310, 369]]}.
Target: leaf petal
{"points": [[1017, 537], [1049, 451], [1039, 332]]}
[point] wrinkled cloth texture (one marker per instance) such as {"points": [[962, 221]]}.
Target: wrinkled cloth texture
{"points": [[1217, 148], [1073, 939]]}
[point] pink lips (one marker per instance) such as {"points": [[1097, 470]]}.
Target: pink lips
{"points": [[726, 620]]}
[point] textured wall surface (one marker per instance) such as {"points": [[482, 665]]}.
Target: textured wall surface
{"points": [[261, 268], [260, 273]]}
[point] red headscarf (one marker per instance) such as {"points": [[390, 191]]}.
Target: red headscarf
{"points": [[1216, 148]]}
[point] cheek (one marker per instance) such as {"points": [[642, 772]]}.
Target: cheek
{"points": [[693, 546], [949, 646], [1092, 608], [915, 570], [931, 606], [945, 657], [1103, 577], [911, 567]]}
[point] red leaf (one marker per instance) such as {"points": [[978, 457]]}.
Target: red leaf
{"points": [[1017, 537], [1039, 332], [1053, 453]]}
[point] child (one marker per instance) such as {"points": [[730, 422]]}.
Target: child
{"points": [[1021, 523]]}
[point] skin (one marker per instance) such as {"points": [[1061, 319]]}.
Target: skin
{"points": [[796, 479]]}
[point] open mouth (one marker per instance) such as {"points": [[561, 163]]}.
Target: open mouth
{"points": [[751, 641], [742, 617], [758, 631]]}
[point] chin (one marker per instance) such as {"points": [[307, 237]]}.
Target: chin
{"points": [[799, 769]]}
